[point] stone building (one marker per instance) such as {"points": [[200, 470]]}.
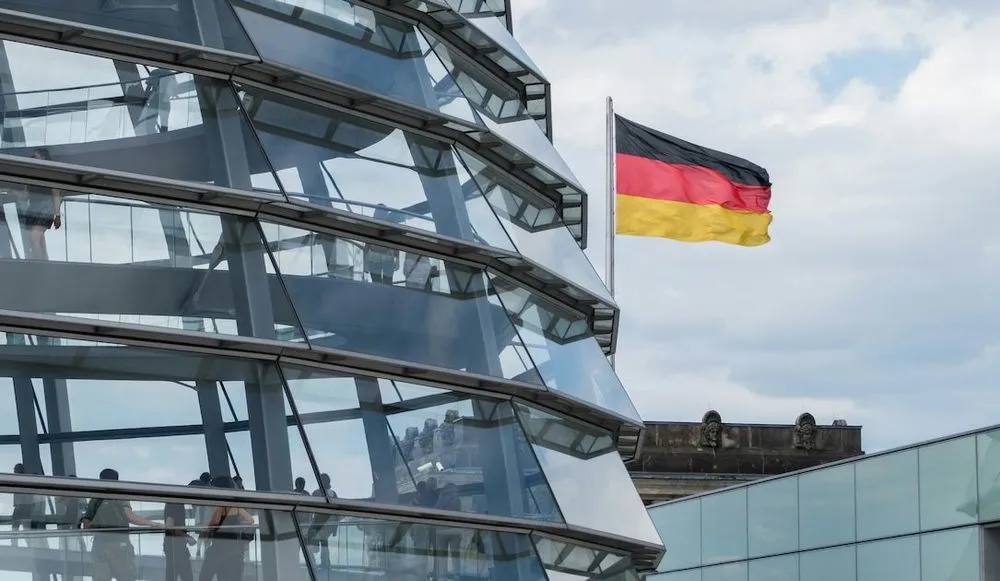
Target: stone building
{"points": [[677, 459]]}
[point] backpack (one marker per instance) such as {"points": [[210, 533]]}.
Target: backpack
{"points": [[108, 514]]}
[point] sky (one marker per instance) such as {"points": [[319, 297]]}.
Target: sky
{"points": [[878, 121]]}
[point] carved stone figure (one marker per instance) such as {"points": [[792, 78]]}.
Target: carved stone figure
{"points": [[805, 432], [409, 441], [426, 439], [447, 429], [711, 429]]}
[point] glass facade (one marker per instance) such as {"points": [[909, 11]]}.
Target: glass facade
{"points": [[923, 513], [249, 332]]}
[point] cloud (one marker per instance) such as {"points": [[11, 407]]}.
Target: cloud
{"points": [[875, 300]]}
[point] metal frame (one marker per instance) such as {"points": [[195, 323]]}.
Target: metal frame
{"points": [[603, 317]]}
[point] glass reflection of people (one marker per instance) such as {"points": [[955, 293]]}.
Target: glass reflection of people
{"points": [[380, 263], [230, 532], [202, 514], [176, 541], [112, 552], [161, 86], [40, 213], [323, 526], [419, 272], [28, 514], [70, 511], [449, 540]]}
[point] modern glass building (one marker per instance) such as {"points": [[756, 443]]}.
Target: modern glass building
{"points": [[926, 512], [303, 279]]}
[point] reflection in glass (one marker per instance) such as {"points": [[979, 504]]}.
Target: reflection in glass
{"points": [[950, 555], [381, 301], [152, 264], [208, 23], [393, 550], [534, 224], [888, 499], [502, 110], [679, 525], [948, 484], [354, 45], [773, 517], [724, 526], [826, 507], [689, 575], [896, 559], [727, 572], [117, 115], [988, 471], [419, 446], [838, 564], [567, 562], [586, 475], [563, 349], [783, 568], [188, 414], [336, 160]]}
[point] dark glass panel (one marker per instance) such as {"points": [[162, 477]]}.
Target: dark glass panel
{"points": [[589, 482], [155, 416], [336, 160], [409, 445], [208, 23], [382, 301], [340, 545], [141, 263], [356, 46], [116, 115], [534, 225], [563, 349], [568, 562]]}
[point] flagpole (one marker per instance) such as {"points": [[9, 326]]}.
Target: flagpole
{"points": [[609, 274]]}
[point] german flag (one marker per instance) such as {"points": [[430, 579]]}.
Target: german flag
{"points": [[670, 188]]}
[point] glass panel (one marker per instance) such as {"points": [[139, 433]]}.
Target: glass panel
{"points": [[948, 484], [116, 115], [773, 517], [504, 113], [950, 555], [393, 550], [896, 559], [335, 160], [140, 263], [988, 446], [724, 526], [357, 46], [689, 575], [784, 568], [679, 525], [175, 20], [727, 572], [592, 487], [567, 562], [498, 33], [533, 224], [563, 349], [837, 564], [188, 414], [381, 301], [888, 499], [826, 507], [438, 449]]}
